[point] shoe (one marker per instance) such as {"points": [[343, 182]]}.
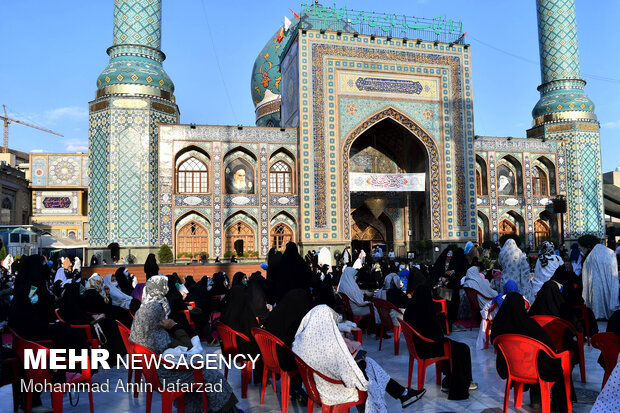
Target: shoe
{"points": [[445, 385], [445, 389], [411, 397], [473, 386]]}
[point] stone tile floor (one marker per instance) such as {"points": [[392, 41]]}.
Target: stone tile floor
{"points": [[488, 398]]}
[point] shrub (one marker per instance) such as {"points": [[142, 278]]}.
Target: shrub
{"points": [[254, 254], [3, 253], [588, 241], [506, 237], [165, 254], [246, 254], [228, 254]]}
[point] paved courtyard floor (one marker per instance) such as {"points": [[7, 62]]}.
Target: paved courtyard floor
{"points": [[488, 398]]}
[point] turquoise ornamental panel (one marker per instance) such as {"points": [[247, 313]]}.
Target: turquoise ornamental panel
{"points": [[137, 22], [557, 34]]}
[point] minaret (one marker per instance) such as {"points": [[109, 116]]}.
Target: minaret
{"points": [[134, 95], [565, 114]]}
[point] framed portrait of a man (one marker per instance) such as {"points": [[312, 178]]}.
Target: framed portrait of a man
{"points": [[505, 181], [239, 177]]}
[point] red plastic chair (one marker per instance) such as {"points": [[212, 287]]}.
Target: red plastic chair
{"points": [[229, 348], [268, 344], [521, 354], [12, 364], [128, 346], [92, 342], [307, 376], [444, 312], [147, 358], [370, 318], [585, 319], [42, 376], [556, 327], [472, 296], [609, 344], [490, 322], [44, 343], [409, 333], [384, 308]]}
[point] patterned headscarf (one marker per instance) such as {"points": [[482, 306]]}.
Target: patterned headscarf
{"points": [[95, 282], [547, 249], [156, 289]]}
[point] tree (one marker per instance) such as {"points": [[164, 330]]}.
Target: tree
{"points": [[165, 254], [3, 253]]}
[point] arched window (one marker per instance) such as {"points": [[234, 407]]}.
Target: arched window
{"points": [[540, 185], [542, 232], [192, 177], [479, 183], [192, 238], [281, 235], [507, 227], [240, 238], [6, 204], [280, 178]]}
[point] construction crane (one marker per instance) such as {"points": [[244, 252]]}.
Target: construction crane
{"points": [[7, 120]]}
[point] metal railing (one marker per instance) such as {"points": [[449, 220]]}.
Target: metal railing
{"points": [[340, 19]]}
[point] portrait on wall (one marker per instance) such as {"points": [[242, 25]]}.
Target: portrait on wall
{"points": [[239, 177], [505, 181]]}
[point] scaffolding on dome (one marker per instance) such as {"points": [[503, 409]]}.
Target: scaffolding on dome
{"points": [[342, 20]]}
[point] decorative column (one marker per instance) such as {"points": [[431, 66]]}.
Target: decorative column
{"points": [[134, 95], [565, 114]]}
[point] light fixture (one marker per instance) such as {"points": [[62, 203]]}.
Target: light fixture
{"points": [[303, 31], [389, 38], [239, 127], [435, 43], [192, 125], [338, 33], [372, 37], [322, 31], [509, 138], [282, 130], [418, 41], [405, 40], [355, 34]]}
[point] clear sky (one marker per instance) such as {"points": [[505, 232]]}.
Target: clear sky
{"points": [[53, 50]]}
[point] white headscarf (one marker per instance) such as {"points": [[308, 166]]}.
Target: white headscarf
{"points": [[515, 267], [325, 256], [320, 345], [6, 263], [62, 277], [600, 281], [546, 265], [348, 286], [119, 298], [77, 265], [474, 280]]}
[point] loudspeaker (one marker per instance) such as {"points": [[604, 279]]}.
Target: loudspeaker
{"points": [[559, 205]]}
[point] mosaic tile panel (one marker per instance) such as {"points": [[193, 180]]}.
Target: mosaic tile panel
{"points": [[217, 202], [137, 22], [557, 36], [264, 201]]}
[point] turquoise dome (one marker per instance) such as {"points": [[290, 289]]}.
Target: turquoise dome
{"points": [[266, 73], [563, 96]]}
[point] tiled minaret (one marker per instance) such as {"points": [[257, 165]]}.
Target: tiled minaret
{"points": [[134, 95], [565, 113]]}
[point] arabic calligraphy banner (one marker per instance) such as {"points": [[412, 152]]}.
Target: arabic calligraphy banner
{"points": [[369, 182]]}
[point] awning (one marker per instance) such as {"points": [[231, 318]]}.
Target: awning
{"points": [[51, 242]]}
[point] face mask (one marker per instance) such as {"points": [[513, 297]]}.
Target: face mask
{"points": [[34, 299], [339, 320], [244, 282], [126, 272], [115, 283], [209, 284]]}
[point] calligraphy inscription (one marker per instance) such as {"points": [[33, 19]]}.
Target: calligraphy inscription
{"points": [[61, 202], [372, 84]]}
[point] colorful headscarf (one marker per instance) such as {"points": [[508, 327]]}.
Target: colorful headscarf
{"points": [[510, 287], [156, 289], [547, 249], [95, 282]]}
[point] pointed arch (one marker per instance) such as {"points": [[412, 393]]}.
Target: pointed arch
{"points": [[192, 234], [509, 176], [433, 175], [545, 164], [484, 232], [240, 231], [482, 185]]}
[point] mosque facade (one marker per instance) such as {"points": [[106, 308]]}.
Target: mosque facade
{"points": [[364, 134]]}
